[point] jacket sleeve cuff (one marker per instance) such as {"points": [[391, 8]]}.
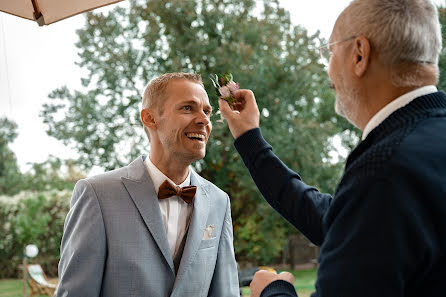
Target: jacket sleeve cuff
{"points": [[279, 288]]}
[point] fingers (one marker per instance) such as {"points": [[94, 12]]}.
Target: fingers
{"points": [[246, 99], [244, 94], [245, 102], [244, 115], [286, 276], [263, 278], [263, 273]]}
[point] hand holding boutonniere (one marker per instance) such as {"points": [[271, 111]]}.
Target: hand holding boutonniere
{"points": [[225, 88]]}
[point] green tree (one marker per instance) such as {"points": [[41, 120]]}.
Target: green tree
{"points": [[124, 49], [53, 173], [32, 218], [442, 61], [10, 175]]}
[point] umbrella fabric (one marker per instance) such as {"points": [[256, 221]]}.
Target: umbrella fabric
{"points": [[49, 11]]}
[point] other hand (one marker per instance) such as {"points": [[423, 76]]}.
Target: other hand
{"points": [[263, 278], [245, 114]]}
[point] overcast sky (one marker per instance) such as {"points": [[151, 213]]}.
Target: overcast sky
{"points": [[36, 60]]}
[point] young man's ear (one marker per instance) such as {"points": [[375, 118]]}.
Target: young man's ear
{"points": [[147, 118], [362, 55]]}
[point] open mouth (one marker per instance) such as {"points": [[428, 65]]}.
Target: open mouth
{"points": [[196, 136]]}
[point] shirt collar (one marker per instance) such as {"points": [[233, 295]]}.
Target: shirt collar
{"points": [[396, 104], [158, 177]]}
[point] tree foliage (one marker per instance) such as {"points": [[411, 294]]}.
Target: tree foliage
{"points": [[10, 176], [442, 61], [51, 174], [125, 48], [32, 218]]}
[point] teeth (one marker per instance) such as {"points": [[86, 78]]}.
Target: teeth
{"points": [[195, 135]]}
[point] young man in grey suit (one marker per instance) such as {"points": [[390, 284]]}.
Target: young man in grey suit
{"points": [[155, 227]]}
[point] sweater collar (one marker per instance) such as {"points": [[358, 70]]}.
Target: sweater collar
{"points": [[396, 104], [433, 104]]}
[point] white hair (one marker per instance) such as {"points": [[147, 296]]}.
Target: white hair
{"points": [[405, 34]]}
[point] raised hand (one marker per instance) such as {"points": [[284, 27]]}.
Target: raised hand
{"points": [[263, 278], [244, 115]]}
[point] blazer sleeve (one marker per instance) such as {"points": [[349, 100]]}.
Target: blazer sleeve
{"points": [[83, 247], [225, 279]]}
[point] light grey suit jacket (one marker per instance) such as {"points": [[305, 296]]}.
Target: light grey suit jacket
{"points": [[115, 243]]}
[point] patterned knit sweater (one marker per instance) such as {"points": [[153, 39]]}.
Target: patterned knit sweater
{"points": [[383, 232]]}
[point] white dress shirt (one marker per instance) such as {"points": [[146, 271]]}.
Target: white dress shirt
{"points": [[396, 104], [175, 212]]}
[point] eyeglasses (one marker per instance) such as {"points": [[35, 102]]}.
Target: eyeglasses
{"points": [[325, 52]]}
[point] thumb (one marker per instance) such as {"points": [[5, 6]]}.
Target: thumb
{"points": [[225, 109]]}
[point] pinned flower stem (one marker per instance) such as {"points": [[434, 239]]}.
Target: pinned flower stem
{"points": [[225, 88]]}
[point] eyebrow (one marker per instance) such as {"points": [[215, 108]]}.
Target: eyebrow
{"points": [[192, 102]]}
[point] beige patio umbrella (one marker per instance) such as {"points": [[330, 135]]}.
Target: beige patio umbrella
{"points": [[45, 12]]}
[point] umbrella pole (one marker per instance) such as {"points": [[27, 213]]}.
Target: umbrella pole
{"points": [[37, 12]]}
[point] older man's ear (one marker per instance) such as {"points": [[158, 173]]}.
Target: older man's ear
{"points": [[361, 55]]}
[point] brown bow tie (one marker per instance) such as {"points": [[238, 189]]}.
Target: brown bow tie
{"points": [[167, 190]]}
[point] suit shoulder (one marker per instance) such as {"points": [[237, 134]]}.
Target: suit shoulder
{"points": [[107, 177], [212, 187], [109, 180]]}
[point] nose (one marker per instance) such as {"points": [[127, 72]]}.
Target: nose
{"points": [[203, 118]]}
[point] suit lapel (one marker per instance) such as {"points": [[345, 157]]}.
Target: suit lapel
{"points": [[141, 190], [197, 225]]}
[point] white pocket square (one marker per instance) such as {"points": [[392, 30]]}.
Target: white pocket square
{"points": [[208, 232]]}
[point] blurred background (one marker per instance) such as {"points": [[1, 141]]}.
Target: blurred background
{"points": [[70, 99]]}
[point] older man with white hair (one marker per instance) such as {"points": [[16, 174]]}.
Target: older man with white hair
{"points": [[383, 232]]}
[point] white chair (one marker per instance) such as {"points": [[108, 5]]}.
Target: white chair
{"points": [[38, 281]]}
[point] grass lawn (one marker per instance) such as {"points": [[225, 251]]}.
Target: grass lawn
{"points": [[12, 288], [303, 282]]}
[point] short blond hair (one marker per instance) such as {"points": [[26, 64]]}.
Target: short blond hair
{"points": [[155, 92]]}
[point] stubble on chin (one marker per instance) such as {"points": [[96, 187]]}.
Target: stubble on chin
{"points": [[198, 152], [199, 156]]}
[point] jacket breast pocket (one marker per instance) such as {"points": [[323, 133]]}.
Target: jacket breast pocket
{"points": [[208, 243]]}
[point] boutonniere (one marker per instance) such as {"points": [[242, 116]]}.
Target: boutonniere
{"points": [[225, 87]]}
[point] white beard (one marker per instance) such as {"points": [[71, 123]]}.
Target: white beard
{"points": [[339, 108], [347, 107]]}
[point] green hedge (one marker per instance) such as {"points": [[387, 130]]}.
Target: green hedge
{"points": [[32, 218]]}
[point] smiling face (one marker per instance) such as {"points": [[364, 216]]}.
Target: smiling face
{"points": [[180, 131]]}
